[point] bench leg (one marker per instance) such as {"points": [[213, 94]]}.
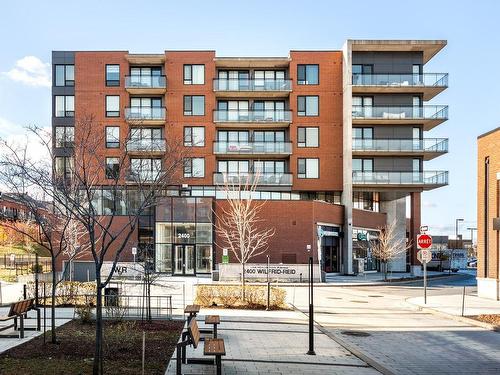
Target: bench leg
{"points": [[178, 362], [218, 363], [15, 323], [21, 326], [215, 331]]}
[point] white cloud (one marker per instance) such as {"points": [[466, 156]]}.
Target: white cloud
{"points": [[31, 71], [428, 204], [19, 136]]}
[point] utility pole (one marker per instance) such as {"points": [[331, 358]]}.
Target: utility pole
{"points": [[456, 243]]}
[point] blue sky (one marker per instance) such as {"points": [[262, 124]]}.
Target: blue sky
{"points": [[271, 28]]}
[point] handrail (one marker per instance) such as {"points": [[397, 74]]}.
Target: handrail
{"points": [[401, 79], [234, 84]]}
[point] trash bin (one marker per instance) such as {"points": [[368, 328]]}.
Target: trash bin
{"points": [[111, 297]]}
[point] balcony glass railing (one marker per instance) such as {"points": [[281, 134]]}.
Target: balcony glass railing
{"points": [[264, 179], [145, 113], [145, 82], [406, 145], [284, 148], [252, 116], [400, 178], [252, 85], [146, 145], [401, 80], [144, 175], [426, 112]]}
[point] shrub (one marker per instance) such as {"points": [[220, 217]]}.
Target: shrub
{"points": [[68, 293], [83, 311]]}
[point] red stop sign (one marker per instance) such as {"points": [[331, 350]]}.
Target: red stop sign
{"points": [[424, 241]]}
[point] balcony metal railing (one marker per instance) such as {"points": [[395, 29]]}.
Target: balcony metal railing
{"points": [[145, 82], [264, 179], [400, 178], [145, 113], [146, 145], [430, 112], [142, 176], [401, 80], [439, 145], [252, 116], [252, 85], [280, 148]]}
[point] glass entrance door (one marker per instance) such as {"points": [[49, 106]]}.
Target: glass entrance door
{"points": [[184, 259]]}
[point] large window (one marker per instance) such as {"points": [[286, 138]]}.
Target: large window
{"points": [[366, 201], [232, 136], [112, 168], [194, 167], [65, 136], [194, 105], [145, 169], [308, 168], [112, 136], [362, 165], [308, 137], [194, 136], [112, 75], [194, 74], [308, 105], [236, 167], [64, 75], [63, 166], [65, 106], [308, 74], [112, 106], [269, 167]]}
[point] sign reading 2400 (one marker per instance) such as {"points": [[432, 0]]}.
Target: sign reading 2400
{"points": [[183, 235]]}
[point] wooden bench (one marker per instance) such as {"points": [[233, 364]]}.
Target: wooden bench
{"points": [[192, 310], [212, 347], [19, 310], [213, 320]]}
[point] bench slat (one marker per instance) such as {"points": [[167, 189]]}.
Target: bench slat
{"points": [[214, 347]]}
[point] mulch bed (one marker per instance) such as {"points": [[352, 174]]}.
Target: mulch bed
{"points": [[488, 318], [74, 354]]}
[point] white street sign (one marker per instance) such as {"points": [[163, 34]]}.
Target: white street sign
{"points": [[424, 228], [424, 256], [134, 251]]}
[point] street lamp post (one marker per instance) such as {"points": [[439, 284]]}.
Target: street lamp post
{"points": [[456, 242], [311, 305]]}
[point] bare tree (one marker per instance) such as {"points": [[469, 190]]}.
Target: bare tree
{"points": [[105, 200], [388, 246], [238, 225]]}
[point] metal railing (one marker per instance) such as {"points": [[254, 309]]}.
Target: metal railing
{"points": [[401, 80], [400, 178], [426, 112], [252, 85], [145, 82], [265, 179], [145, 113], [252, 116], [280, 148], [439, 145], [146, 145]]}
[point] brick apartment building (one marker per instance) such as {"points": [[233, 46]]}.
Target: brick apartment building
{"points": [[488, 215], [337, 139]]}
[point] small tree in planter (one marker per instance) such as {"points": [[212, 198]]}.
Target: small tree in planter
{"points": [[389, 246], [238, 223]]}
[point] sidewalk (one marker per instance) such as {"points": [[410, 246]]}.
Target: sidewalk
{"points": [[275, 342], [452, 304], [377, 278]]}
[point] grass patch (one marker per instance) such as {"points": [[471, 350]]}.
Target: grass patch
{"points": [[75, 352]]}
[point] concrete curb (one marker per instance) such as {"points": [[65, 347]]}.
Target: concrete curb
{"points": [[457, 318], [351, 348]]}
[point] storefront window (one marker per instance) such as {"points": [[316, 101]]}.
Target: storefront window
{"points": [[203, 258], [163, 258], [184, 233], [163, 232], [184, 209], [164, 210], [361, 247], [204, 233], [204, 210]]}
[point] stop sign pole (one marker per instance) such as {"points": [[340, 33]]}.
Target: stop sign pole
{"points": [[424, 242]]}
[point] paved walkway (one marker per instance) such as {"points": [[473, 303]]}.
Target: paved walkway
{"points": [[63, 315], [375, 278], [452, 304], [259, 342]]}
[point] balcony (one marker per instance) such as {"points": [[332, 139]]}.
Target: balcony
{"points": [[253, 148], [238, 88], [263, 179], [429, 84], [151, 84], [145, 115], [427, 115], [426, 180], [145, 145], [280, 118], [428, 147], [144, 176]]}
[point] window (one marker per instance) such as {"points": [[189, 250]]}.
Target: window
{"points": [[112, 106], [146, 133], [307, 137], [146, 77], [366, 201], [237, 167], [308, 74], [194, 74], [194, 167], [194, 105], [65, 136], [63, 166], [145, 169], [362, 133], [112, 168], [308, 168], [112, 75], [232, 136], [65, 75], [112, 136], [65, 106], [194, 136], [362, 74], [308, 105], [269, 167], [362, 165]]}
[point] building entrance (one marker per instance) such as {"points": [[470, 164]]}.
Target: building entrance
{"points": [[184, 259]]}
